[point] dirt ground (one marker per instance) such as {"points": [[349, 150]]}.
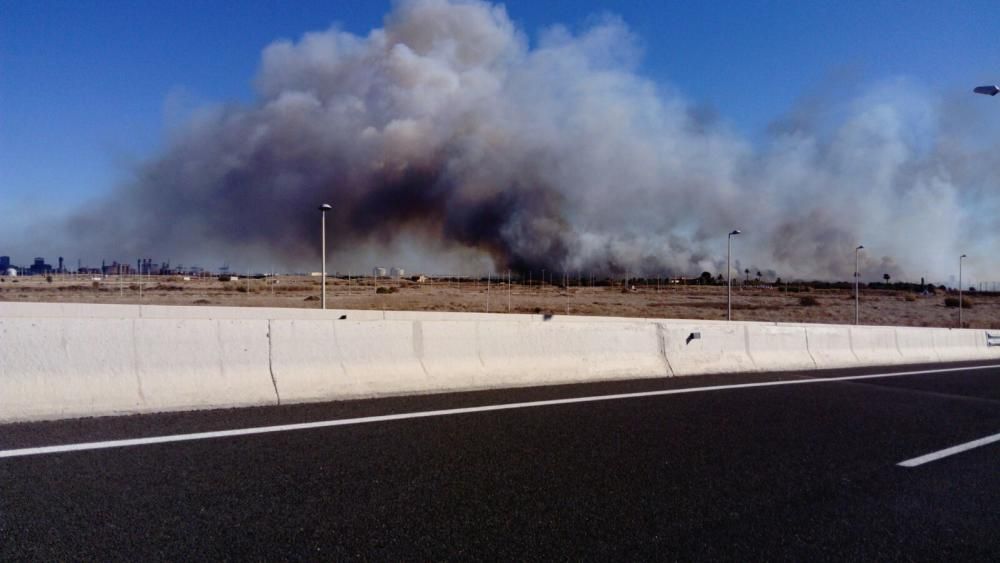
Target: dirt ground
{"points": [[878, 307]]}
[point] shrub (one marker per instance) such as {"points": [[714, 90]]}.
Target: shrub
{"points": [[911, 298], [953, 302], [808, 301], [48, 279], [382, 290], [311, 298]]}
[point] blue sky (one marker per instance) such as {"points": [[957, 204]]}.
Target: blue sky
{"points": [[88, 88]]}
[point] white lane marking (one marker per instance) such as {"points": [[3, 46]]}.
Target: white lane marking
{"points": [[447, 412], [934, 456]]}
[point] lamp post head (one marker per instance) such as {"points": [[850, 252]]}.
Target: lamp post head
{"points": [[987, 90], [325, 207], [735, 232], [962, 256], [860, 247]]}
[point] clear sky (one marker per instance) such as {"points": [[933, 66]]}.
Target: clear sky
{"points": [[87, 88]]}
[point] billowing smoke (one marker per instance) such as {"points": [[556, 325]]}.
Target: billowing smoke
{"points": [[449, 135]]}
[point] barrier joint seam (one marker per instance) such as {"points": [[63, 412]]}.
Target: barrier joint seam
{"points": [[662, 341], [270, 363]]}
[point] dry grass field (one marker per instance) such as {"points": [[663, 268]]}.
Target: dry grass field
{"points": [[880, 307]]}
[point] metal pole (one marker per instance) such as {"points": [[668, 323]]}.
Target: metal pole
{"points": [[323, 237], [960, 325], [729, 279], [857, 281], [729, 275], [323, 209]]}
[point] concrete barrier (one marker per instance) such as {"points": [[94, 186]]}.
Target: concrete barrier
{"points": [[59, 368], [449, 352], [10, 309], [957, 344], [13, 309], [202, 363], [306, 362], [778, 348], [874, 346], [830, 347], [693, 349], [536, 353], [916, 345], [79, 360]]}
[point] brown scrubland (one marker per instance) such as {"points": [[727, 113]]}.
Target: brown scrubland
{"points": [[790, 303]]}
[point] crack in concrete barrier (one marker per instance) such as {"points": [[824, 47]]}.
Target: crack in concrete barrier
{"points": [[270, 362]]}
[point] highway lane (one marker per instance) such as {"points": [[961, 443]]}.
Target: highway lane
{"points": [[787, 471]]}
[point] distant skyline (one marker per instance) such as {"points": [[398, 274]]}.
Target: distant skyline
{"points": [[88, 91]]}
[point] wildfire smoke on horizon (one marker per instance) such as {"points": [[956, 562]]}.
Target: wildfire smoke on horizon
{"points": [[450, 132]]}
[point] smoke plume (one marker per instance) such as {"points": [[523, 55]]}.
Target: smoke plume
{"points": [[450, 136]]}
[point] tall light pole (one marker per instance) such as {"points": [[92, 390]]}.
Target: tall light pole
{"points": [[323, 209], [857, 279], [960, 325], [729, 275]]}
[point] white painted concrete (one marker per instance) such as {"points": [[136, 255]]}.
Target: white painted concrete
{"points": [[63, 368], [719, 348], [830, 347], [776, 348], [200, 363], [307, 363], [78, 360], [533, 353], [916, 345], [956, 344], [875, 345]]}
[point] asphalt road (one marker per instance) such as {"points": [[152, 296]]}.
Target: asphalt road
{"points": [[797, 471]]}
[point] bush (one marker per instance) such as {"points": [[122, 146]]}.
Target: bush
{"points": [[808, 301], [383, 290], [953, 302], [911, 298], [48, 279]]}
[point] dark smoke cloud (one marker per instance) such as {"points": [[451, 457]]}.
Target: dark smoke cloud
{"points": [[449, 135]]}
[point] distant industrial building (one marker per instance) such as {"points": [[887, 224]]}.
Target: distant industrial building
{"points": [[397, 273], [4, 263], [378, 272], [39, 267]]}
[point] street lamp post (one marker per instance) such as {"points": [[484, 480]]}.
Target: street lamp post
{"points": [[960, 325], [323, 209], [857, 279], [729, 275]]}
